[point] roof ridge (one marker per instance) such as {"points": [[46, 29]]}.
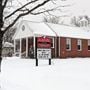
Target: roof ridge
{"points": [[51, 28], [32, 21], [63, 25]]}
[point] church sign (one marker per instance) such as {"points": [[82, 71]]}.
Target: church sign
{"points": [[43, 42], [44, 48], [43, 53]]}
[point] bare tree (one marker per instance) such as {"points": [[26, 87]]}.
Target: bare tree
{"points": [[76, 20], [33, 7], [9, 35], [52, 19]]}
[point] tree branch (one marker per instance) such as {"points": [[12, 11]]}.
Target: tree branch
{"points": [[5, 3], [53, 9], [23, 14], [41, 12], [20, 8]]}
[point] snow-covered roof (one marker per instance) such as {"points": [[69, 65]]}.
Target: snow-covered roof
{"points": [[68, 31], [40, 28], [49, 29], [8, 44], [33, 29], [83, 19]]}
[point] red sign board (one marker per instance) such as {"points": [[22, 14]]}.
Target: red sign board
{"points": [[43, 42]]}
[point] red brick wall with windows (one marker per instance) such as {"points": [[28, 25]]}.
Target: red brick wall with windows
{"points": [[60, 45], [74, 49]]}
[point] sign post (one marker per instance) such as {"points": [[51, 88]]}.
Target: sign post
{"points": [[36, 53], [50, 61], [43, 49]]}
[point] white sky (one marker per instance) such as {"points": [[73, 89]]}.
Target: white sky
{"points": [[78, 7], [81, 7]]}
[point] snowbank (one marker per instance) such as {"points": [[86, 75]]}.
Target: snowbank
{"points": [[63, 74]]}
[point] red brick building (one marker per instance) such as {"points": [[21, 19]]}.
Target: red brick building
{"points": [[67, 41]]}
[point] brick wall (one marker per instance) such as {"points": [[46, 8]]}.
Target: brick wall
{"points": [[74, 51]]}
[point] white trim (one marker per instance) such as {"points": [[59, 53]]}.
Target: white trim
{"points": [[79, 42], [88, 43], [26, 47], [59, 46], [68, 42], [55, 47], [34, 45], [14, 46], [20, 47]]}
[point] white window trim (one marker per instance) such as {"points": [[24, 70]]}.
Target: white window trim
{"points": [[59, 47], [79, 40], [88, 50], [69, 39], [88, 44]]}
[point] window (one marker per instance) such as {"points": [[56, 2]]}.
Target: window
{"points": [[89, 45], [68, 44], [79, 45]]}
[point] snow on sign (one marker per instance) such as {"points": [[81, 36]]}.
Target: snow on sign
{"points": [[43, 48], [43, 53]]}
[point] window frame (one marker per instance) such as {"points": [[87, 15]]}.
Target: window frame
{"points": [[88, 44], [68, 42], [79, 42]]}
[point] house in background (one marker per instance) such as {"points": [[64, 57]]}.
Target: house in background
{"points": [[81, 21], [66, 42], [7, 50]]}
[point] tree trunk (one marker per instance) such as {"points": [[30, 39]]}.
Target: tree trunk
{"points": [[1, 40], [1, 32]]}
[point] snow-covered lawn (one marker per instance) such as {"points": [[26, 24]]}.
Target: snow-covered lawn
{"points": [[63, 74]]}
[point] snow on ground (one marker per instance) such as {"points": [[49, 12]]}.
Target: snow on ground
{"points": [[63, 74]]}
